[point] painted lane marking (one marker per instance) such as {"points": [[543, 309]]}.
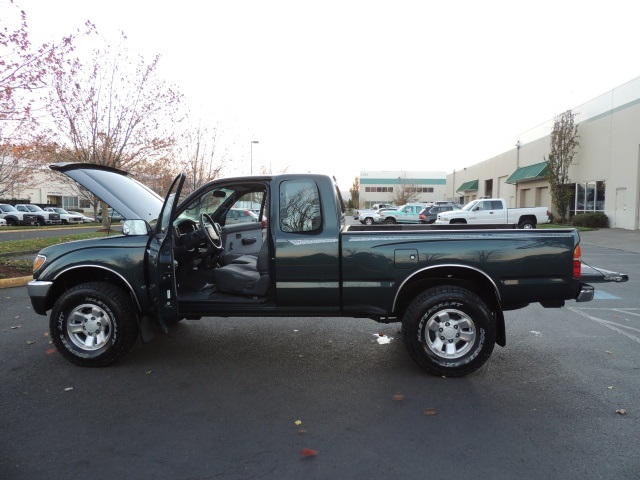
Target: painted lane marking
{"points": [[616, 327]]}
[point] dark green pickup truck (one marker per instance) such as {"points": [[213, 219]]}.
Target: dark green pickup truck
{"points": [[178, 259]]}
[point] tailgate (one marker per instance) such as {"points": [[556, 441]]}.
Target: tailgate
{"points": [[600, 275]]}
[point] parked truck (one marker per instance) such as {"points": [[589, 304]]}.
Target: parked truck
{"points": [[180, 259], [15, 217], [409, 213], [44, 217], [494, 211]]}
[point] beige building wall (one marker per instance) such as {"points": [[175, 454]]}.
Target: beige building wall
{"points": [[609, 136]]}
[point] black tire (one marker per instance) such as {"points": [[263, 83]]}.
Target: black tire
{"points": [[41, 221], [449, 331], [390, 221], [12, 222], [368, 221], [527, 224], [93, 324]]}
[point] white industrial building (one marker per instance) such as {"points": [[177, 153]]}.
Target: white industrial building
{"points": [[605, 173], [380, 187]]}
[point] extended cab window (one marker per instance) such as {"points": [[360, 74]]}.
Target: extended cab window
{"points": [[299, 206]]}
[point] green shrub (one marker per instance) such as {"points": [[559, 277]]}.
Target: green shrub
{"points": [[590, 220]]}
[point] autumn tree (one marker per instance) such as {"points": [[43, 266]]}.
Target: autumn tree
{"points": [[564, 144], [23, 73], [355, 193], [114, 110]]}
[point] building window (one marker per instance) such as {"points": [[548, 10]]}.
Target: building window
{"points": [[589, 197], [367, 189], [69, 203]]}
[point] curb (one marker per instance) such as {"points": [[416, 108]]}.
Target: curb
{"points": [[15, 282]]}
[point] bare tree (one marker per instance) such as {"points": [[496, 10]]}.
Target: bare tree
{"points": [[564, 144], [404, 193], [114, 111], [203, 163], [23, 71]]}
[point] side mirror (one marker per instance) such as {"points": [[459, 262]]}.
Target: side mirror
{"points": [[135, 227]]}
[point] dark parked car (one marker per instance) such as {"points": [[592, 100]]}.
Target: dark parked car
{"points": [[429, 214], [113, 216]]}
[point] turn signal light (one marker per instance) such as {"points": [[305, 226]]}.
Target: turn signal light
{"points": [[577, 263], [38, 261]]}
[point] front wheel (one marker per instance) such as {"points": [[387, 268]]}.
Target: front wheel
{"points": [[449, 331], [368, 221], [93, 324], [390, 221]]}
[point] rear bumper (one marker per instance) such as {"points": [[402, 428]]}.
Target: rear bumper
{"points": [[586, 293]]}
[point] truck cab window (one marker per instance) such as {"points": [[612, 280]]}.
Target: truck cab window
{"points": [[299, 206]]}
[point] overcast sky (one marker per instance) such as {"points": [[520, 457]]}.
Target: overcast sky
{"points": [[342, 86]]}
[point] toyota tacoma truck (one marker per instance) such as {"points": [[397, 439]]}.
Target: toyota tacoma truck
{"points": [[179, 258], [494, 210]]}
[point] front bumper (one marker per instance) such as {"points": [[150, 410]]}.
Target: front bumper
{"points": [[38, 292]]}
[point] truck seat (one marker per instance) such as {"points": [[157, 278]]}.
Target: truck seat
{"points": [[245, 278]]}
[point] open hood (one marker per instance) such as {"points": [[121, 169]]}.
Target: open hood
{"points": [[125, 195]]}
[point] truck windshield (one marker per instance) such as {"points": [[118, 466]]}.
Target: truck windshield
{"points": [[469, 206]]}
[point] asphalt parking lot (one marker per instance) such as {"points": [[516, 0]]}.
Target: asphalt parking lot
{"points": [[322, 398]]}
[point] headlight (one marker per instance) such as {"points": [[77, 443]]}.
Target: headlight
{"points": [[38, 262]]}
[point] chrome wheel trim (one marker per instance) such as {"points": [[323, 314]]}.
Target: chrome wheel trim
{"points": [[450, 334], [89, 327]]}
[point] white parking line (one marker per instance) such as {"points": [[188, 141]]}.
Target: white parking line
{"points": [[616, 327]]}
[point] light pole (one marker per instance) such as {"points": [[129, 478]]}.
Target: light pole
{"points": [[517, 167], [252, 142]]}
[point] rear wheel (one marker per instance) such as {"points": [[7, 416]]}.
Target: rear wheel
{"points": [[527, 224], [390, 221], [12, 222], [93, 324], [449, 331], [368, 221]]}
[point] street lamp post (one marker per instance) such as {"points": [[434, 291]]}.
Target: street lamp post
{"points": [[252, 142]]}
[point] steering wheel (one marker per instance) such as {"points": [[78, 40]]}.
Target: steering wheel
{"points": [[212, 231]]}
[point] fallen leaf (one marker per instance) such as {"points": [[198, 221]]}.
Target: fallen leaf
{"points": [[46, 334], [621, 411], [29, 342], [398, 397], [50, 351], [607, 351], [430, 411], [298, 422], [68, 389], [17, 326], [148, 372], [308, 452], [610, 388]]}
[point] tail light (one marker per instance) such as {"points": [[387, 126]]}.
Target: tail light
{"points": [[422, 217], [577, 263]]}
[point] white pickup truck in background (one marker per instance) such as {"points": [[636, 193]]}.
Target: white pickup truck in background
{"points": [[494, 210]]}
